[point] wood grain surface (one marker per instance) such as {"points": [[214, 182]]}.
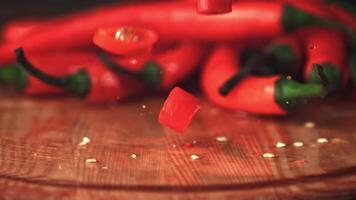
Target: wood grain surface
{"points": [[42, 154]]}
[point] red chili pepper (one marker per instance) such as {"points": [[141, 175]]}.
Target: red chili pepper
{"points": [[55, 64], [281, 56], [125, 41], [273, 95], [214, 6], [93, 82], [17, 30], [171, 21], [178, 110], [327, 48], [168, 68]]}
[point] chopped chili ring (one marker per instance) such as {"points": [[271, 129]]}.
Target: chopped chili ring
{"points": [[125, 41]]}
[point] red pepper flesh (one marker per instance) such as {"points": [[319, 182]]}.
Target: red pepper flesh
{"points": [[125, 41], [178, 110]]}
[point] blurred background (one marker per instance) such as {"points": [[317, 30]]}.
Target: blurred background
{"points": [[38, 8]]}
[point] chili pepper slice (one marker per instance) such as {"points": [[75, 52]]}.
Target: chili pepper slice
{"points": [[284, 54], [327, 48], [125, 41], [274, 95], [247, 20], [214, 6], [94, 83], [168, 68], [178, 110]]}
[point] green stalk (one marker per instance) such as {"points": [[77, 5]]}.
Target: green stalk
{"points": [[289, 93], [77, 83], [331, 73], [150, 74], [14, 76]]}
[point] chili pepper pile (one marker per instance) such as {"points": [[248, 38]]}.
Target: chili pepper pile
{"points": [[257, 56]]}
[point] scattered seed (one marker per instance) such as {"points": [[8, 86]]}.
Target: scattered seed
{"points": [[174, 146], [143, 106], [85, 141], [221, 139], [194, 142], [105, 168], [268, 155], [309, 124], [289, 77], [298, 144], [322, 140], [133, 156], [91, 160], [339, 141], [280, 145], [194, 157]]}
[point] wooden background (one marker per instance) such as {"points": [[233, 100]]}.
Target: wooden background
{"points": [[41, 155]]}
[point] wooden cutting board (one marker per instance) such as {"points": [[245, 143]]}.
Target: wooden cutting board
{"points": [[130, 156]]}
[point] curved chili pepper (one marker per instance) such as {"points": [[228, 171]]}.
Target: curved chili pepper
{"points": [[327, 48], [94, 82], [172, 20], [214, 6], [260, 95], [125, 41], [281, 56], [168, 68], [55, 64]]}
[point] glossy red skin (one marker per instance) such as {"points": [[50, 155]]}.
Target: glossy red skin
{"points": [[214, 6], [17, 30], [178, 110], [253, 94], [108, 87], [56, 64], [176, 63], [171, 21], [105, 39], [324, 46]]}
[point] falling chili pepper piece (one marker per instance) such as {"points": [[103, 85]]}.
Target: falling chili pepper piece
{"points": [[178, 110], [125, 41], [274, 95], [214, 6], [95, 83], [247, 20]]}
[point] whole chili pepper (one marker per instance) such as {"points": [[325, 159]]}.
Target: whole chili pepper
{"points": [[168, 68], [94, 82], [247, 20], [274, 95], [55, 64], [214, 6], [327, 48], [281, 56]]}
